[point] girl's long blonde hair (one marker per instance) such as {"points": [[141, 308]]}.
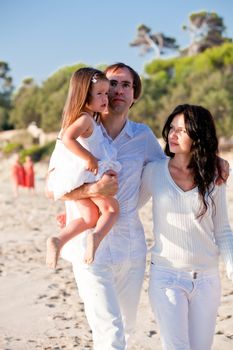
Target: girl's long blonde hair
{"points": [[79, 93]]}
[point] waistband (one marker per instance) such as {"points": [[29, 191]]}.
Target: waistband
{"points": [[193, 274]]}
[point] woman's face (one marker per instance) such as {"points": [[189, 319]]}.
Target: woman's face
{"points": [[178, 139]]}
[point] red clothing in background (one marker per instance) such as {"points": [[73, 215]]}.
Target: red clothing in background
{"points": [[18, 174], [29, 174]]}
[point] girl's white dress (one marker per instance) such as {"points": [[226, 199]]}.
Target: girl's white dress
{"points": [[70, 170]]}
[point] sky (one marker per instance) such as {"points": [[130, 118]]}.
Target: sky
{"points": [[37, 38]]}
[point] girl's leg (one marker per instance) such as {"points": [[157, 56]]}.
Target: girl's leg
{"points": [[89, 215], [109, 209]]}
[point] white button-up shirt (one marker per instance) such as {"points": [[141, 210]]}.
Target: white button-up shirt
{"points": [[136, 146]]}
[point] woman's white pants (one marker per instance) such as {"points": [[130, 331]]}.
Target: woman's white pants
{"points": [[111, 295], [185, 306]]}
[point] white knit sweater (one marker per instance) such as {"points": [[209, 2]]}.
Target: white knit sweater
{"points": [[181, 240]]}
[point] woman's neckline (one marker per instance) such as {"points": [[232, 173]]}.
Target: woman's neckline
{"points": [[173, 182]]}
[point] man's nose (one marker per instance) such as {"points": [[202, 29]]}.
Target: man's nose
{"points": [[119, 88]]}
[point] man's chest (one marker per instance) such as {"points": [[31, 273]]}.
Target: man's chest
{"points": [[131, 155]]}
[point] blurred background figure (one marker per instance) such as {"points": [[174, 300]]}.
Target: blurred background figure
{"points": [[17, 175], [29, 174]]}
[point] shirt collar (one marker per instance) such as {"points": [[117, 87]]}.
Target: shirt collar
{"points": [[127, 129]]}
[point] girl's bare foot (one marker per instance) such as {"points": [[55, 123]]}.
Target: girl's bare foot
{"points": [[61, 220], [53, 250], [93, 241]]}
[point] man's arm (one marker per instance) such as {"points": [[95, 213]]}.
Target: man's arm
{"points": [[106, 186], [223, 171]]}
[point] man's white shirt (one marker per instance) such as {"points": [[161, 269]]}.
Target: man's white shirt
{"points": [[136, 145]]}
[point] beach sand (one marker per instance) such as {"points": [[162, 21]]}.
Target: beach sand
{"points": [[40, 308]]}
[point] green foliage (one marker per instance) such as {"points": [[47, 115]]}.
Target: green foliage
{"points": [[25, 106], [156, 66], [26, 148], [52, 97], [11, 148], [43, 105], [51, 109], [6, 89], [37, 152], [4, 119], [206, 31], [205, 79]]}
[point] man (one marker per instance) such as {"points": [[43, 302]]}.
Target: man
{"points": [[110, 287]]}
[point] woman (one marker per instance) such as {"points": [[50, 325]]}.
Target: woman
{"points": [[17, 175], [191, 228], [29, 174]]}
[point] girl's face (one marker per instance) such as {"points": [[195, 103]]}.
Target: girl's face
{"points": [[178, 139], [99, 96]]}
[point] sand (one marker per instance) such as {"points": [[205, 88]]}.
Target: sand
{"points": [[41, 308]]}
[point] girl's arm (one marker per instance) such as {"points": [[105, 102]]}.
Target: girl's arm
{"points": [[222, 230], [81, 127]]}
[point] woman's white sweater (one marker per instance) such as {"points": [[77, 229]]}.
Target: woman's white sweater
{"points": [[182, 240]]}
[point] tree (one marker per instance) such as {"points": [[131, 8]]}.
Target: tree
{"points": [[6, 86], [205, 79], [53, 96], [6, 89], [157, 42], [26, 105], [206, 30]]}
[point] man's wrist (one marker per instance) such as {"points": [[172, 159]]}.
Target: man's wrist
{"points": [[82, 192], [92, 190]]}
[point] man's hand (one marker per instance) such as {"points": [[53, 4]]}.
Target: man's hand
{"points": [[106, 186], [223, 170]]}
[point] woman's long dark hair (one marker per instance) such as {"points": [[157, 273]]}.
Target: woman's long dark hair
{"points": [[200, 127]]}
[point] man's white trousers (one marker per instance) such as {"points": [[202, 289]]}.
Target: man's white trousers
{"points": [[111, 295]]}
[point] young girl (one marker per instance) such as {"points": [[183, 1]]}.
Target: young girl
{"points": [[191, 229], [83, 155]]}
